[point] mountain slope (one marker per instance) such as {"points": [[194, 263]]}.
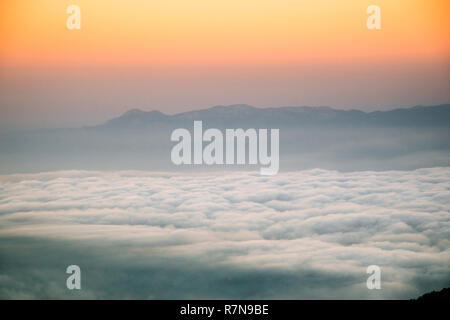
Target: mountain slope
{"points": [[248, 116], [310, 137]]}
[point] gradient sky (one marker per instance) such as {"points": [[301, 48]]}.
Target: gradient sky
{"points": [[178, 55]]}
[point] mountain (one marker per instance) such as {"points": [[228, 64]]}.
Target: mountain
{"points": [[310, 137], [247, 116], [443, 295], [137, 118]]}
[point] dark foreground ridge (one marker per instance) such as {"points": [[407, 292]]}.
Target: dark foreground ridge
{"points": [[444, 294]]}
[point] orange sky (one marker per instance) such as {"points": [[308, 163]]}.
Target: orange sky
{"points": [[220, 33], [179, 55]]}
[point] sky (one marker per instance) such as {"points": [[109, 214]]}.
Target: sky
{"points": [[181, 55]]}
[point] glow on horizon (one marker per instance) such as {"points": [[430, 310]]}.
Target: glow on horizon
{"points": [[221, 33]]}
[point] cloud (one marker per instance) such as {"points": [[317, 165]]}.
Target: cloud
{"points": [[304, 234]]}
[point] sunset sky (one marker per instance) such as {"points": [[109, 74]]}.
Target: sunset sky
{"points": [[178, 55]]}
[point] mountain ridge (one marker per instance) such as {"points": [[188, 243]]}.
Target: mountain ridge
{"points": [[310, 137], [247, 115]]}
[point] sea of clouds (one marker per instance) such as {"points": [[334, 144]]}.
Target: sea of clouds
{"points": [[304, 234]]}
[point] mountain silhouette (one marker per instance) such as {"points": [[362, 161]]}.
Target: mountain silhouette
{"points": [[248, 116], [444, 294], [310, 137]]}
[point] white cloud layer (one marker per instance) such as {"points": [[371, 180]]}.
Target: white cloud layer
{"points": [[315, 230]]}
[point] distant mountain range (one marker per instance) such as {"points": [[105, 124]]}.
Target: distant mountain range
{"points": [[247, 116], [310, 137]]}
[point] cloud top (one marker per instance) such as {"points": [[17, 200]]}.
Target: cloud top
{"points": [[316, 230]]}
